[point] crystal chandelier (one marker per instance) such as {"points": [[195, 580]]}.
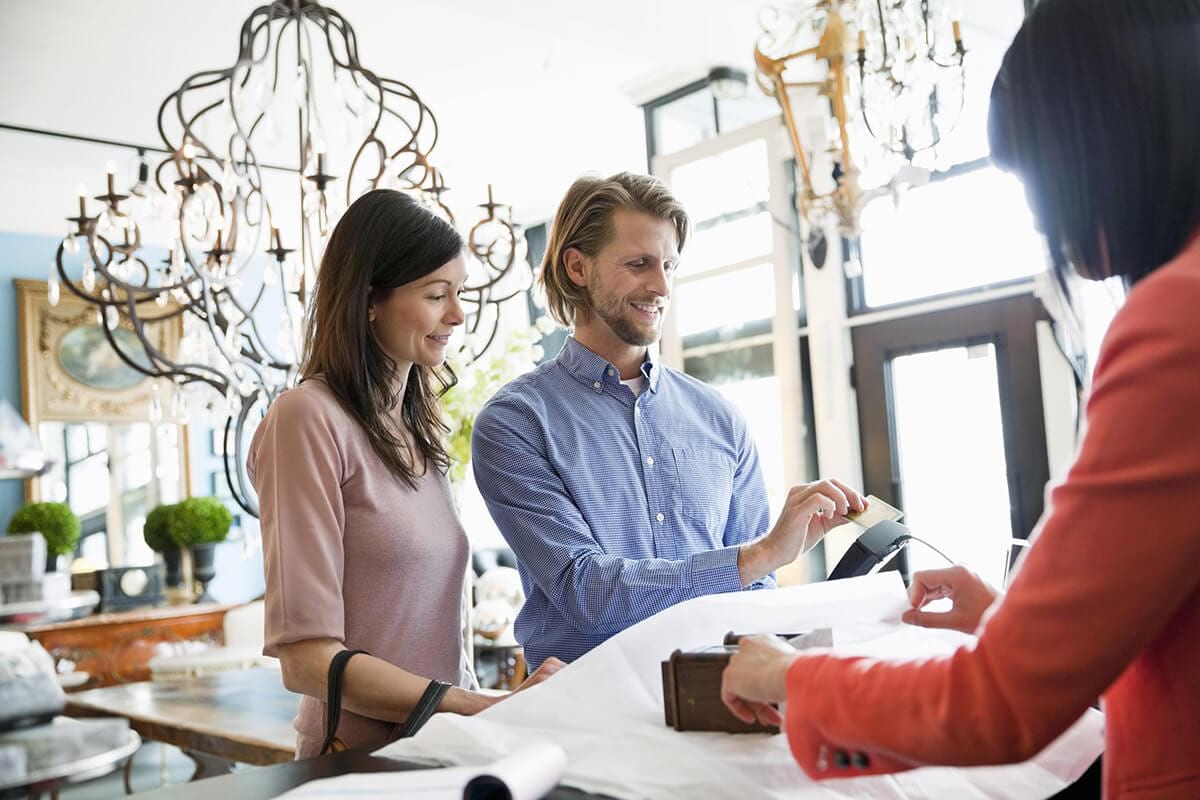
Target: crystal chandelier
{"points": [[893, 95], [246, 236]]}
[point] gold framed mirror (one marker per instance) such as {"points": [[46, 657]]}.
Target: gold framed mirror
{"points": [[92, 413]]}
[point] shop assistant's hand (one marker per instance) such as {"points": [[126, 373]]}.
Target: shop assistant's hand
{"points": [[968, 592], [756, 678]]}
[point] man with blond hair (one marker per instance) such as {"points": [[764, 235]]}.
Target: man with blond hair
{"points": [[623, 486]]}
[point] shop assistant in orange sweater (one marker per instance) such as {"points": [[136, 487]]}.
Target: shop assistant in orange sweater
{"points": [[1094, 108]]}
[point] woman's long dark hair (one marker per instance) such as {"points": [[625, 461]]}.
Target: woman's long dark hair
{"points": [[1097, 109], [384, 240]]}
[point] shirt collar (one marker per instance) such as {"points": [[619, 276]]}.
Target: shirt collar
{"points": [[592, 370]]}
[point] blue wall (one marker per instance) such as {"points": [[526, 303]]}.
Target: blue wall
{"points": [[31, 256], [22, 255]]}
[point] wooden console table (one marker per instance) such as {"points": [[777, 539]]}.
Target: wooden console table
{"points": [[116, 648]]}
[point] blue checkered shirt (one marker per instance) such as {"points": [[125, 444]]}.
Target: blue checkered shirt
{"points": [[616, 506]]}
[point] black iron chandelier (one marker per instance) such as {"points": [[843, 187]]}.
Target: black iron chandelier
{"points": [[246, 237]]}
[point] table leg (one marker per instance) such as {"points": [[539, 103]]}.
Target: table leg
{"points": [[128, 772]]}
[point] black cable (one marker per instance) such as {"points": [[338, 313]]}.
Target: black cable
{"points": [[931, 547]]}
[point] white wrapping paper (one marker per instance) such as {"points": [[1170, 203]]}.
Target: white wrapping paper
{"points": [[605, 710]]}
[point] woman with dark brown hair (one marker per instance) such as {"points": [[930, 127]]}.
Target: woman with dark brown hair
{"points": [[363, 548]]}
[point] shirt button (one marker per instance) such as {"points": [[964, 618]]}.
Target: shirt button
{"points": [[860, 760], [659, 517], [841, 759], [650, 461], [611, 372], [596, 385]]}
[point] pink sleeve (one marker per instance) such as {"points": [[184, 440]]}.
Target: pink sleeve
{"points": [[297, 467]]}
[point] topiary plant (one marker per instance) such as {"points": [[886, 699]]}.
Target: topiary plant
{"points": [[157, 528], [57, 524], [199, 520]]}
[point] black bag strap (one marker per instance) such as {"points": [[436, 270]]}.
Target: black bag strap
{"points": [[333, 697], [425, 708]]}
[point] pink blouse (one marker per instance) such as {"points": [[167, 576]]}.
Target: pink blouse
{"points": [[352, 553]]}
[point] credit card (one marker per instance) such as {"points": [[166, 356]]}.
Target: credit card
{"points": [[877, 511]]}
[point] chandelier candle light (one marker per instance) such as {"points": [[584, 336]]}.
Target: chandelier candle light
{"points": [[897, 77], [234, 272]]}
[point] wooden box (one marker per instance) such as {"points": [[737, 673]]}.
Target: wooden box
{"points": [[692, 685]]}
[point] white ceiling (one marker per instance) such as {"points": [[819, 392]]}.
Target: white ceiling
{"points": [[528, 94]]}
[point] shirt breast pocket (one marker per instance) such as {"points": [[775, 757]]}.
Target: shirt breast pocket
{"points": [[705, 486]]}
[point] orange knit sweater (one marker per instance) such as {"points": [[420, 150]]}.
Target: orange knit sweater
{"points": [[1106, 602]]}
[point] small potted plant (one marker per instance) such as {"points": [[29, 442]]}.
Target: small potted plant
{"points": [[57, 524], [200, 523], [157, 532]]}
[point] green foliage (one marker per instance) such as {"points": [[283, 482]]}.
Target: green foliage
{"points": [[507, 358], [199, 520], [55, 521], [157, 529]]}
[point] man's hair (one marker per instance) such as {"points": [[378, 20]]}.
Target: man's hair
{"points": [[584, 221]]}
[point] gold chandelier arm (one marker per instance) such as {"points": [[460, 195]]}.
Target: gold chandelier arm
{"points": [[789, 119], [808, 51], [838, 100]]}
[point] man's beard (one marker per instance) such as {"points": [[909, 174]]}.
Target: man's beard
{"points": [[613, 311]]}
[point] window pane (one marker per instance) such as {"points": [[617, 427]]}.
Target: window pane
{"points": [[745, 110], [88, 481], [952, 467], [728, 243], [746, 376], [730, 181], [97, 436], [951, 235], [684, 122], [137, 462], [77, 442], [94, 550], [133, 511], [725, 301]]}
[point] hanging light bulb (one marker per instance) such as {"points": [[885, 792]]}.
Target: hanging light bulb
{"points": [[155, 405], [272, 131], [300, 87], [229, 182], [312, 203], [52, 287], [352, 96], [179, 404]]}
